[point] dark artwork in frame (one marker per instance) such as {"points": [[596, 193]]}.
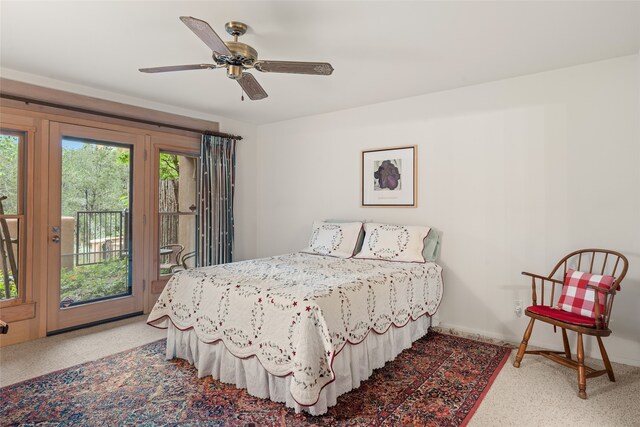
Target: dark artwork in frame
{"points": [[389, 177]]}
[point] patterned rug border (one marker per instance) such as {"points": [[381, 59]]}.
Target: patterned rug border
{"points": [[485, 340], [489, 383]]}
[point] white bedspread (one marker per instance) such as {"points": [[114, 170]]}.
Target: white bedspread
{"points": [[296, 312]]}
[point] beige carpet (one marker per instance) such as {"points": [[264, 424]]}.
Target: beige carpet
{"points": [[540, 393], [543, 393]]}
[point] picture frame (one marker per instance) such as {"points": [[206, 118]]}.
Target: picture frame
{"points": [[389, 177]]}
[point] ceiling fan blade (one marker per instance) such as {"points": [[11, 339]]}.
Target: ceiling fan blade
{"points": [[251, 87], [177, 68], [204, 31], [294, 67]]}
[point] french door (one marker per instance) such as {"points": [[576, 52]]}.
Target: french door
{"points": [[174, 197], [96, 185]]}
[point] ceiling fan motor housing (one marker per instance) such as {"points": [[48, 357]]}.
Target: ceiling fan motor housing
{"points": [[234, 71], [242, 56]]}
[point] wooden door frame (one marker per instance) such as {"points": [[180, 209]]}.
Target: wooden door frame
{"points": [[182, 145], [57, 319]]}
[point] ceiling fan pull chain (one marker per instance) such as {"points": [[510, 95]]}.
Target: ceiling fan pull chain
{"points": [[242, 96]]}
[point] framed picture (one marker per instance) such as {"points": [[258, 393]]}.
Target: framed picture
{"points": [[389, 177]]}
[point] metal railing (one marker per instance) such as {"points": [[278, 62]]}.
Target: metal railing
{"points": [[101, 235]]}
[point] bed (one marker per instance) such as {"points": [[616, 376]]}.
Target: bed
{"points": [[301, 328]]}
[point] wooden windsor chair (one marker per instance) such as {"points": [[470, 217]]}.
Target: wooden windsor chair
{"points": [[593, 261]]}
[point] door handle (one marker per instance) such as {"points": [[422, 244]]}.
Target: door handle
{"points": [[55, 239]]}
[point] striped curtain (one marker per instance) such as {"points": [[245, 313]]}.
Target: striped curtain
{"points": [[217, 182]]}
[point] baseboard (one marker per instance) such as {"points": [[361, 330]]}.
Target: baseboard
{"points": [[473, 334], [99, 322], [480, 335]]}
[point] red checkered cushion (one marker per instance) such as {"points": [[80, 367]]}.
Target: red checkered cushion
{"points": [[577, 298]]}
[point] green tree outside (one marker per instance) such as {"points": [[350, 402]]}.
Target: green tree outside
{"points": [[94, 178]]}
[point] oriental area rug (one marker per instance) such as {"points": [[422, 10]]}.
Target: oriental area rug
{"points": [[439, 381]]}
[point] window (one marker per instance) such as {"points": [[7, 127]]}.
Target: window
{"points": [[12, 225]]}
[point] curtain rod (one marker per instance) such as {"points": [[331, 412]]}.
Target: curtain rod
{"points": [[116, 116]]}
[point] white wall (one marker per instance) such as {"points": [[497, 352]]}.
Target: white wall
{"points": [[515, 173], [245, 196]]}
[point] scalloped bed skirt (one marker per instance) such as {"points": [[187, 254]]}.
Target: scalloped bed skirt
{"points": [[354, 364]]}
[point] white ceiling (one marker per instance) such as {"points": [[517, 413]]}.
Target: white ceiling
{"points": [[380, 50]]}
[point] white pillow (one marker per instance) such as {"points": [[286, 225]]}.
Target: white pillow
{"points": [[334, 239], [393, 242]]}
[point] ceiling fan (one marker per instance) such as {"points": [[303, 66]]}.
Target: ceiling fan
{"points": [[237, 57]]}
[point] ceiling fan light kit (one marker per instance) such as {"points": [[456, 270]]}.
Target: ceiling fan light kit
{"points": [[237, 57]]}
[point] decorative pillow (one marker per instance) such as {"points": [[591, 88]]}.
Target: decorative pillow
{"points": [[393, 242], [334, 239], [577, 298], [360, 236]]}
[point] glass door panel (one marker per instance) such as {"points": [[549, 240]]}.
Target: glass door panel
{"points": [[95, 221], [12, 180], [95, 225], [177, 211]]}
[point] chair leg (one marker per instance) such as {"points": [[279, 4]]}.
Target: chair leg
{"points": [[605, 359], [582, 378], [523, 344], [565, 341]]}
